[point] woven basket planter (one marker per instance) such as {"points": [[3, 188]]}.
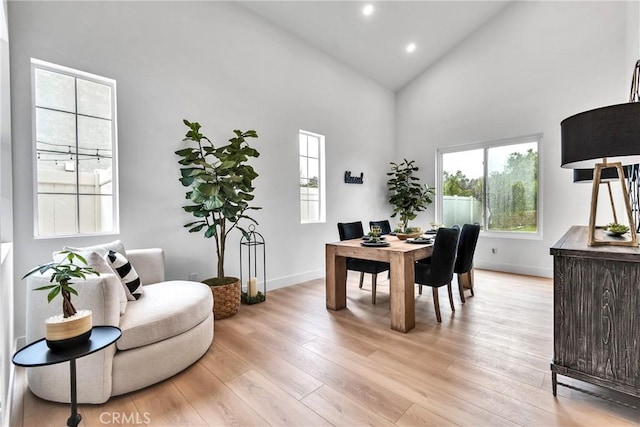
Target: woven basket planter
{"points": [[226, 299]]}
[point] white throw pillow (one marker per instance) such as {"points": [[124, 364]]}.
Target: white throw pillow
{"points": [[95, 261], [128, 275], [102, 249]]}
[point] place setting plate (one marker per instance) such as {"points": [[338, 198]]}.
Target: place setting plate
{"points": [[420, 241], [379, 244]]}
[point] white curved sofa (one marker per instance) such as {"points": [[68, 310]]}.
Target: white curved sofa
{"points": [[163, 332]]}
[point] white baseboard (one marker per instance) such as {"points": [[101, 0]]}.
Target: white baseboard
{"points": [[282, 282], [517, 269]]}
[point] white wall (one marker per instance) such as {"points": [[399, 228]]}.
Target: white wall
{"points": [[7, 345], [6, 192], [532, 66], [218, 64]]}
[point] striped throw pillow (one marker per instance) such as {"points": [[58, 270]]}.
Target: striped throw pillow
{"points": [[126, 272]]}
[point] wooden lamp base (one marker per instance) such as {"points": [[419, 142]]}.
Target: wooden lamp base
{"points": [[597, 173]]}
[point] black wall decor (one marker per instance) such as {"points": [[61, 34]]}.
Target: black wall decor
{"points": [[348, 179]]}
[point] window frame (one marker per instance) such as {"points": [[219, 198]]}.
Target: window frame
{"points": [[37, 64], [485, 146], [322, 214]]}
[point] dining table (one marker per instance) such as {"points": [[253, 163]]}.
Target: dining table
{"points": [[401, 256]]}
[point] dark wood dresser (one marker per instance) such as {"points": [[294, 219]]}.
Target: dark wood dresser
{"points": [[596, 300]]}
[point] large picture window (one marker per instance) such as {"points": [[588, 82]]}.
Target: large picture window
{"points": [[74, 116], [312, 199], [493, 184]]}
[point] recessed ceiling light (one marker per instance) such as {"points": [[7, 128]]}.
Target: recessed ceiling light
{"points": [[367, 10], [411, 47]]}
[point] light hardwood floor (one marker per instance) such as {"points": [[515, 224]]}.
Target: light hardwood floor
{"points": [[289, 361]]}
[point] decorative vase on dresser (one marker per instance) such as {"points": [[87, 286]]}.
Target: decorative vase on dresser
{"points": [[596, 314]]}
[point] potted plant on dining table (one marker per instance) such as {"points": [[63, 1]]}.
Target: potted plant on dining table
{"points": [[407, 196]]}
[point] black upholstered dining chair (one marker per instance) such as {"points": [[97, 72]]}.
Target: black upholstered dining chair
{"points": [[440, 271], [384, 226], [464, 259], [353, 230]]}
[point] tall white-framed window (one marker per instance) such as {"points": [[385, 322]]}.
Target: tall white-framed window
{"points": [[494, 184], [312, 177], [75, 152]]}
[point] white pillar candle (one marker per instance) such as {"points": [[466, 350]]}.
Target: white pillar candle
{"points": [[252, 286]]}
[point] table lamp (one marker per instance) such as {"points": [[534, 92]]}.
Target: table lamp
{"points": [[604, 138]]}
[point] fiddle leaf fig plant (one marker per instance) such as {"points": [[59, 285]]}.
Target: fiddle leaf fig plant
{"points": [[220, 183], [63, 272], [407, 195]]}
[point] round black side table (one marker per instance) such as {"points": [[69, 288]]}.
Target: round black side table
{"points": [[38, 354]]}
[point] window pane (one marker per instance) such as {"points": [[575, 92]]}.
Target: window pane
{"points": [[313, 147], [314, 173], [97, 214], [97, 181], [57, 214], [303, 144], [313, 214], [94, 99], [54, 90], [463, 187], [57, 179], [304, 173], [95, 176], [94, 134], [512, 187], [55, 130]]}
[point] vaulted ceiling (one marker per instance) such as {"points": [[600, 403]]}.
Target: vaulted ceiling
{"points": [[375, 45]]}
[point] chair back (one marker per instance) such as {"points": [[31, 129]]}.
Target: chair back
{"points": [[466, 248], [443, 256], [350, 230], [384, 226]]}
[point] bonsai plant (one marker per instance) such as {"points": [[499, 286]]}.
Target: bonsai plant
{"points": [[220, 183], [407, 195], [73, 327]]}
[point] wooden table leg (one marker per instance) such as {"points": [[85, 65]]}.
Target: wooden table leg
{"points": [[403, 313], [336, 279]]}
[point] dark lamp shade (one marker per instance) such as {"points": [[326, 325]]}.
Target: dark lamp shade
{"points": [[611, 132], [608, 174]]}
